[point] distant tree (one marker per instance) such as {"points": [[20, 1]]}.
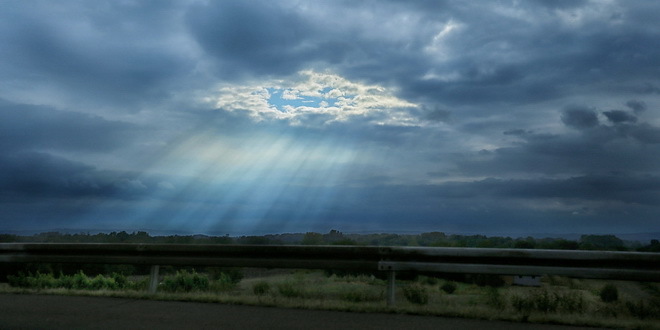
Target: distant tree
{"points": [[312, 238], [253, 240], [653, 247], [601, 242], [524, 244]]}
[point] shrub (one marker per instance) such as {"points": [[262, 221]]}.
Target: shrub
{"points": [[545, 302], [642, 310], [261, 288], [65, 281], [20, 280], [44, 281], [80, 281], [287, 289], [571, 302], [428, 280], [448, 287], [494, 298], [361, 295], [522, 304], [186, 282], [416, 294], [224, 282], [120, 280], [609, 293], [38, 281], [101, 282], [235, 275]]}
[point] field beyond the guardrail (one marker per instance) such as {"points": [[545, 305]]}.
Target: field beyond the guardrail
{"points": [[557, 300]]}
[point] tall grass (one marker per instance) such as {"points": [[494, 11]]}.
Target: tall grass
{"points": [[558, 300]]}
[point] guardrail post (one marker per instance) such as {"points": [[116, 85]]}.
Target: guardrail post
{"points": [[153, 279], [391, 288]]}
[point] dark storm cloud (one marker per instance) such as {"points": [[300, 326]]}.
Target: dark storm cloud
{"points": [[35, 175], [282, 43], [606, 188], [619, 116], [627, 147], [28, 127], [636, 106], [93, 85], [96, 60], [579, 117]]}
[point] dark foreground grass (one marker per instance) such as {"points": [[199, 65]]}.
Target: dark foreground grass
{"points": [[557, 301]]}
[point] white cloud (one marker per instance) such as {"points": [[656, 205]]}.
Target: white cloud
{"points": [[314, 92]]}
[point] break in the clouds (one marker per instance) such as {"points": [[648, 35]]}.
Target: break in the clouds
{"points": [[253, 117]]}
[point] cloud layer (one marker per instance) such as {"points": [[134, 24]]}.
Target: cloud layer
{"points": [[255, 117]]}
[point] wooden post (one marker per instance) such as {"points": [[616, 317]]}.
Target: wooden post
{"points": [[391, 288], [153, 279]]}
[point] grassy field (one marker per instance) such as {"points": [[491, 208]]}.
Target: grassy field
{"points": [[558, 300]]}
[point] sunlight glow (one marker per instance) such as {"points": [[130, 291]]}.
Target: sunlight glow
{"points": [[313, 93]]}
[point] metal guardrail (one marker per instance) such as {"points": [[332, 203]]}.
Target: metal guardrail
{"points": [[640, 266]]}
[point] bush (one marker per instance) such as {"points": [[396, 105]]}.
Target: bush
{"points": [[19, 280], [235, 275], [184, 281], [120, 280], [261, 288], [80, 281], [287, 289], [546, 302], [572, 302], [609, 293], [494, 298], [101, 282], [224, 282], [448, 287], [428, 280], [362, 295], [643, 310], [416, 294]]}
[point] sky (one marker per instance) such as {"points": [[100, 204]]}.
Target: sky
{"points": [[255, 117]]}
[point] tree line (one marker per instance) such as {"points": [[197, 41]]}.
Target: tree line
{"points": [[335, 237]]}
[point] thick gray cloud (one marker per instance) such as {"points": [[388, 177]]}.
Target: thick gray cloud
{"points": [[619, 116], [636, 106], [29, 127], [500, 116], [579, 117]]}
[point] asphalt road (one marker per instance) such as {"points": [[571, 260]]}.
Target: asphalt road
{"points": [[62, 312]]}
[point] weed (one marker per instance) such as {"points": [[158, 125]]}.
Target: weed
{"points": [[362, 295], [642, 310], [80, 281], [416, 294], [522, 304], [428, 280], [233, 275], [448, 287], [186, 282], [571, 302], [261, 288], [609, 293], [545, 302], [494, 298], [101, 282], [287, 289]]}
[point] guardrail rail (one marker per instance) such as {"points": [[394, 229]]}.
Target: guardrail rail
{"points": [[638, 266]]}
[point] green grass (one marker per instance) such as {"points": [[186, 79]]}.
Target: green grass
{"points": [[558, 301]]}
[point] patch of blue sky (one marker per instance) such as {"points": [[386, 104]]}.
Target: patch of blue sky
{"points": [[281, 98]]}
